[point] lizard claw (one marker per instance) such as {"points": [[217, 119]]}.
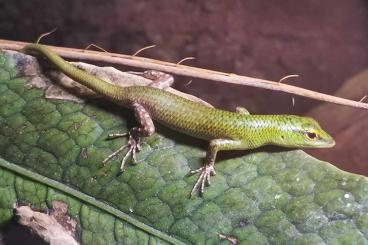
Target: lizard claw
{"points": [[204, 178], [133, 146], [117, 135]]}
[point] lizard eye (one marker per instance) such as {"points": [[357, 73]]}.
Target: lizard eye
{"points": [[311, 135]]}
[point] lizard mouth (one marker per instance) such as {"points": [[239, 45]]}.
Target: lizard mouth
{"points": [[320, 144], [327, 144], [331, 143]]}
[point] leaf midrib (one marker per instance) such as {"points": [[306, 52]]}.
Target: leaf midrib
{"points": [[87, 199]]}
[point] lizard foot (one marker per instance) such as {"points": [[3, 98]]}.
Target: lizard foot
{"points": [[133, 146], [204, 178]]}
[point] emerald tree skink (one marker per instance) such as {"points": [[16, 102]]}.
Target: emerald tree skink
{"points": [[224, 130]]}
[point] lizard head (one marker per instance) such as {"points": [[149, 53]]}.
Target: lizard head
{"points": [[303, 132]]}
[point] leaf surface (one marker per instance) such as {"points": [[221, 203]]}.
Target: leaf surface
{"points": [[52, 150]]}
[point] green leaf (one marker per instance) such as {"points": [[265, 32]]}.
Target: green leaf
{"points": [[52, 150]]}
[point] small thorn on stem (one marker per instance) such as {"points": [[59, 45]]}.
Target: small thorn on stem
{"points": [[362, 99], [287, 77], [140, 50], [96, 46], [185, 59], [45, 34], [188, 83]]}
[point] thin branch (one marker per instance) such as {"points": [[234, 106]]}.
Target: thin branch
{"points": [[145, 63]]}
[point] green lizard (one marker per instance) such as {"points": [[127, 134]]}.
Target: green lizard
{"points": [[224, 130]]}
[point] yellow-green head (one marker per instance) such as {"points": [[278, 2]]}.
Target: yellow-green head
{"points": [[298, 131]]}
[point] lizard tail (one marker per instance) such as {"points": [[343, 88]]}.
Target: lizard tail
{"points": [[96, 84]]}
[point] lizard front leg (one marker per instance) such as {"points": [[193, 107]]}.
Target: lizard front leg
{"points": [[242, 110], [208, 167], [145, 129]]}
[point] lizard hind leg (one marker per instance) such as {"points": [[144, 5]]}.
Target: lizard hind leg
{"points": [[132, 147], [160, 80], [135, 135]]}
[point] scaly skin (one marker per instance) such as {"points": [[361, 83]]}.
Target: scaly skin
{"points": [[225, 130]]}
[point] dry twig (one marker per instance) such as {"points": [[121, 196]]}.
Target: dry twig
{"points": [[145, 63]]}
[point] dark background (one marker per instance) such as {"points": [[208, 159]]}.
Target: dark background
{"points": [[325, 42]]}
